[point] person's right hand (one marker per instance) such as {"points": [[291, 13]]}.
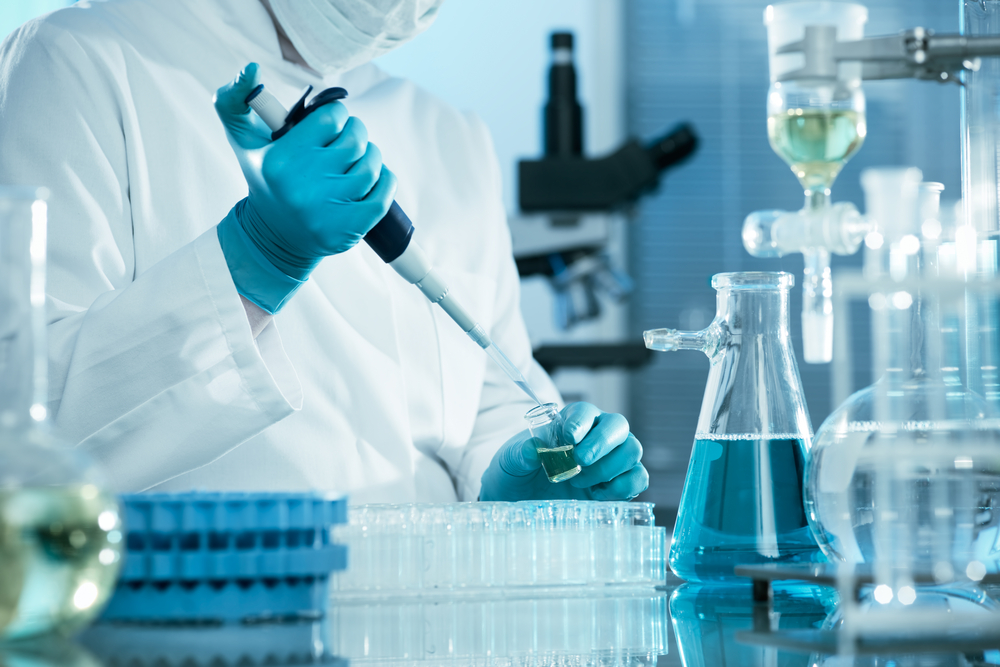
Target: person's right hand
{"points": [[314, 192], [611, 458]]}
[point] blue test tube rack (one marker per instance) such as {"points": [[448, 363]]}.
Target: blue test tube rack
{"points": [[224, 557]]}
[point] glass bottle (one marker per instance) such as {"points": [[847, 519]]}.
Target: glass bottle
{"points": [[903, 475], [815, 123], [60, 532], [742, 498], [554, 451]]}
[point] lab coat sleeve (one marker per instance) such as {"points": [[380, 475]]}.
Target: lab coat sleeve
{"points": [[502, 404], [154, 373]]}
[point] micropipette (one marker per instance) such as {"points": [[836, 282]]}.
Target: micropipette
{"points": [[392, 237]]}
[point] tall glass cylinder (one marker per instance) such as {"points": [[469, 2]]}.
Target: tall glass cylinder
{"points": [[23, 384], [981, 121], [981, 193], [60, 532], [742, 497]]}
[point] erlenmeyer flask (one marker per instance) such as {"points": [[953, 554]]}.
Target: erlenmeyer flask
{"points": [[742, 498]]}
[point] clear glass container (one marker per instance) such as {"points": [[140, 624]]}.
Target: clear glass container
{"points": [[554, 451], [554, 627], [815, 123], [742, 498], [60, 532], [981, 192], [470, 548], [981, 121], [904, 474]]}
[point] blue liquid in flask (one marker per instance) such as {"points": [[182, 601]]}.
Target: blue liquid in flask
{"points": [[741, 505]]}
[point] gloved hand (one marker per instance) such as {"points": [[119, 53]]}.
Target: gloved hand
{"points": [[314, 192], [604, 448]]}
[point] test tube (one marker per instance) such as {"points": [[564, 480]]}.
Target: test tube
{"points": [[554, 451]]}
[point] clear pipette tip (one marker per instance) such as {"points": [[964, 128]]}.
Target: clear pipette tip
{"points": [[505, 364]]}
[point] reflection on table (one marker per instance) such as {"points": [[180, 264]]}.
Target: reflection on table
{"points": [[690, 625]]}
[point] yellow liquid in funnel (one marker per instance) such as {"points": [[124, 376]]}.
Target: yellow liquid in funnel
{"points": [[816, 142]]}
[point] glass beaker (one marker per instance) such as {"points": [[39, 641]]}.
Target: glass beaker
{"points": [[60, 532], [815, 123], [742, 498], [554, 451]]}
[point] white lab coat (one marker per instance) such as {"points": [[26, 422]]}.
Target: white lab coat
{"points": [[358, 385]]}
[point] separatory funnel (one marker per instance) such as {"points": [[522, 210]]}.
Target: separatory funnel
{"points": [[815, 123]]}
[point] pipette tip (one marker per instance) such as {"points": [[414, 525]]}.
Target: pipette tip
{"points": [[505, 364]]}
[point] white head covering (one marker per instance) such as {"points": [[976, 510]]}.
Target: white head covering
{"points": [[337, 35]]}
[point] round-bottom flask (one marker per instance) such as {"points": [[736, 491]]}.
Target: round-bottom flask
{"points": [[919, 492], [60, 532], [905, 475], [742, 498], [61, 536]]}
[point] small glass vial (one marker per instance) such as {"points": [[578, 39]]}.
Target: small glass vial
{"points": [[555, 453]]}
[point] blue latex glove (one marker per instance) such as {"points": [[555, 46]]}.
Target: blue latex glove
{"points": [[314, 192], [604, 448]]}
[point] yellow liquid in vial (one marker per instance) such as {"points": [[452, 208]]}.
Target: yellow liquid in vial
{"points": [[60, 551], [816, 142], [558, 463]]}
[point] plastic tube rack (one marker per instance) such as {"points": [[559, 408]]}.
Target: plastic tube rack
{"points": [[614, 628], [450, 548], [227, 556]]}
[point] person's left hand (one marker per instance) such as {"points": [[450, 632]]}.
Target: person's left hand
{"points": [[604, 448]]}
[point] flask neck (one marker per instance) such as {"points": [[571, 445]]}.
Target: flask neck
{"points": [[753, 388], [743, 312], [916, 342], [23, 352]]}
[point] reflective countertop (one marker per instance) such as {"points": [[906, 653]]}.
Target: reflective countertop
{"points": [[680, 624]]}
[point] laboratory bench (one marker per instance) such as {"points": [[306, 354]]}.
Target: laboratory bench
{"points": [[675, 624]]}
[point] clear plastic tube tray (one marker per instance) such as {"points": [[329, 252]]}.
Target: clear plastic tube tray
{"points": [[623, 627], [227, 556], [427, 549]]}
